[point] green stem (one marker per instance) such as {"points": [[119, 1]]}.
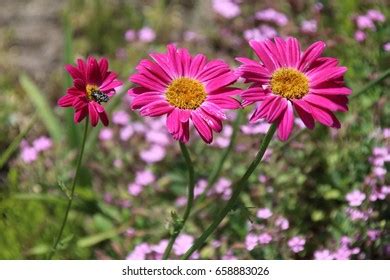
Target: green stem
{"points": [[78, 164], [237, 187], [383, 76], [179, 225]]}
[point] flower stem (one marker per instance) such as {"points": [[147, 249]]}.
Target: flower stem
{"points": [[179, 224], [78, 164], [237, 187]]}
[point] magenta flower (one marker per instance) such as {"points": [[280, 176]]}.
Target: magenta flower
{"points": [[265, 238], [355, 198], [144, 177], [365, 22], [146, 34], [251, 241], [296, 244], [42, 143], [185, 89], [272, 15], [93, 84], [182, 244], [154, 154], [282, 223], [28, 154], [288, 78], [323, 255], [386, 47], [226, 8], [360, 36], [106, 134], [309, 26], [264, 213], [376, 15]]}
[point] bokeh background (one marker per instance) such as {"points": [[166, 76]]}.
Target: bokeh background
{"points": [[322, 195]]}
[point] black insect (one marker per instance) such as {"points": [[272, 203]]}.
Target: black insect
{"points": [[99, 96]]}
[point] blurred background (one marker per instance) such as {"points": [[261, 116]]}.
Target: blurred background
{"points": [[323, 195]]}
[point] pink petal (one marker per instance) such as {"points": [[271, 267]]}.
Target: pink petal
{"points": [[80, 114], [144, 81], [82, 67], [163, 62], [293, 52], [93, 114], [80, 102], [324, 116], [276, 108], [103, 66], [311, 54], [304, 114], [262, 110], [332, 91], [327, 74], [253, 95], [173, 121], [79, 84], [104, 118], [184, 115], [75, 91], [286, 123], [156, 108], [213, 110], [224, 102], [220, 82], [93, 72], [263, 53], [197, 64], [74, 72], [325, 103], [202, 127], [281, 46], [211, 121], [146, 98], [66, 100]]}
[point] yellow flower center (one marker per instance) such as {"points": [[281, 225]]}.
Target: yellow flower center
{"points": [[90, 89], [185, 93], [289, 83]]}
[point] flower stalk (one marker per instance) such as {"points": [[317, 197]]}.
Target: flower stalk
{"points": [[178, 224], [237, 187], [70, 197]]}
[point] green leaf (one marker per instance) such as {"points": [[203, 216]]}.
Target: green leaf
{"points": [[97, 238], [43, 108], [39, 250]]}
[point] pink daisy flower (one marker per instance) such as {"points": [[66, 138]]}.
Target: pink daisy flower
{"points": [[93, 84], [287, 78], [185, 88]]}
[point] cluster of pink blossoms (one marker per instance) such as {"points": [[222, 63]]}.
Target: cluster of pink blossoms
{"points": [[145, 251], [145, 35], [367, 22], [30, 153]]}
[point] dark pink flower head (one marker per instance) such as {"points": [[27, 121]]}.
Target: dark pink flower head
{"points": [[93, 84], [288, 78], [185, 88]]}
